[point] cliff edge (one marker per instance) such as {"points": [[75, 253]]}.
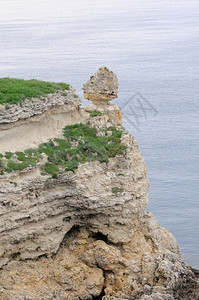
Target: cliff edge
{"points": [[72, 209]]}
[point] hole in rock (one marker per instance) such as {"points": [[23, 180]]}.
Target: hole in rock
{"points": [[100, 236], [100, 296], [41, 256], [16, 255], [71, 234], [67, 219]]}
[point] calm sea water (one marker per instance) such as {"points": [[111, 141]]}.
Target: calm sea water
{"points": [[153, 46]]}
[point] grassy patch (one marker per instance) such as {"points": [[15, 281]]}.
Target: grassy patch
{"points": [[8, 155], [80, 144], [14, 91], [117, 190], [52, 169], [14, 183], [95, 113]]}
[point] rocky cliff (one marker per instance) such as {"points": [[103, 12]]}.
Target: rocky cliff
{"points": [[47, 115], [85, 234]]}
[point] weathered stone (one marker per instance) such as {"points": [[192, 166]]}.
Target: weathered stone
{"points": [[62, 203], [74, 238], [111, 112], [102, 87], [32, 110], [37, 120]]}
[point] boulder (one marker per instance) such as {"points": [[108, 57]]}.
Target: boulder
{"points": [[102, 87]]}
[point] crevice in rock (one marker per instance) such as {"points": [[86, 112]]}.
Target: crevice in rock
{"points": [[100, 236], [40, 256], [71, 234], [100, 296], [16, 255], [66, 219]]}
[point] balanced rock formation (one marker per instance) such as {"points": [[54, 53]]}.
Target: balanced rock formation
{"points": [[86, 234], [102, 87]]}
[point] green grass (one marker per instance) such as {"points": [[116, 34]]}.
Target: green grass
{"points": [[14, 91], [80, 144], [117, 190], [95, 113], [52, 169], [9, 155], [14, 183]]}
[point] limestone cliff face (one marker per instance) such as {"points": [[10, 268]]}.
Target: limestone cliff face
{"points": [[32, 110], [37, 120], [86, 235]]}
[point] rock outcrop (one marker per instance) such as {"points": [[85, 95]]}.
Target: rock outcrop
{"points": [[36, 120], [102, 87], [32, 110], [86, 234]]}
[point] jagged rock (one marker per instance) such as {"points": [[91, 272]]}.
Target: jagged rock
{"points": [[111, 112], [32, 110], [102, 87], [54, 206], [37, 120], [86, 233]]}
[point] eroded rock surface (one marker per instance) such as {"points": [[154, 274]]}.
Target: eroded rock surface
{"points": [[102, 87], [86, 235], [37, 120], [32, 110], [37, 211], [88, 264]]}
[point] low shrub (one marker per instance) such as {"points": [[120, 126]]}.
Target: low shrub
{"points": [[95, 113], [80, 143]]}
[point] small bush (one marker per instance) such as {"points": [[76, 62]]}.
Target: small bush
{"points": [[117, 190], [52, 169], [16, 166], [8, 155], [95, 113], [21, 156], [71, 165]]}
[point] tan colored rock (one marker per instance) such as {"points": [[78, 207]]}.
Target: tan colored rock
{"points": [[35, 109], [102, 87], [111, 112], [37, 120], [74, 238], [86, 263], [37, 211]]}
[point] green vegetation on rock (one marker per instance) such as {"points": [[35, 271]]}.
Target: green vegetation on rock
{"points": [[95, 113], [80, 144], [14, 91], [117, 190]]}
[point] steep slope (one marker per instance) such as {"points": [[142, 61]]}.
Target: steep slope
{"points": [[73, 208], [86, 233]]}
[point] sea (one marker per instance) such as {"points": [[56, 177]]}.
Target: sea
{"points": [[153, 47]]}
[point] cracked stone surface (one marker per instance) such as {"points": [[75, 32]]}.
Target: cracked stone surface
{"points": [[37, 120], [32, 110], [102, 87], [73, 238]]}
